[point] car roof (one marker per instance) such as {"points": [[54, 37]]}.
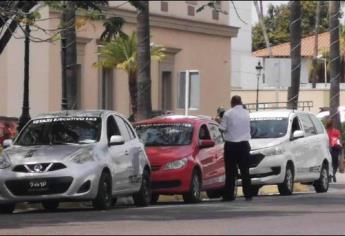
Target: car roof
{"points": [[175, 119], [277, 113], [76, 113]]}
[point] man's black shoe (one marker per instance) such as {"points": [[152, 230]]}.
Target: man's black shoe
{"points": [[249, 199]]}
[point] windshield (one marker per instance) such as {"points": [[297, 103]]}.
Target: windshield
{"points": [[268, 127], [165, 134], [61, 130]]}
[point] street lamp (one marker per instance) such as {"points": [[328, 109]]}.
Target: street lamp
{"points": [[320, 57], [258, 74]]}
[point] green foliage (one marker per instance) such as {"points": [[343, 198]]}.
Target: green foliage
{"points": [[277, 23]]}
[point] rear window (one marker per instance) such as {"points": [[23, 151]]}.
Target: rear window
{"points": [[165, 134]]}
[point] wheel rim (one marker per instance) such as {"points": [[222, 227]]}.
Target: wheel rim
{"points": [[106, 188], [196, 187], [289, 181], [146, 191]]}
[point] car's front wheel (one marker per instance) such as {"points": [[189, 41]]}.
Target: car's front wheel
{"points": [[154, 198], [103, 200], [194, 193], [255, 190], [7, 208], [213, 194], [321, 185], [286, 188], [143, 197], [50, 205]]}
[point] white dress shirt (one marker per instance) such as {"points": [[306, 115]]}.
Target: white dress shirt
{"points": [[236, 125]]}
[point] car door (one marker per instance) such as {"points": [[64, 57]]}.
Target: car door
{"points": [[218, 152], [117, 154], [133, 152], [312, 148], [206, 156]]}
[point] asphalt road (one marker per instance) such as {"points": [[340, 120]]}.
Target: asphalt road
{"points": [[302, 213]]}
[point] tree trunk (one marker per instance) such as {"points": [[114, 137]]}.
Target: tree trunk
{"points": [[69, 57], [295, 53], [316, 44], [334, 62], [144, 62], [132, 83], [25, 116]]}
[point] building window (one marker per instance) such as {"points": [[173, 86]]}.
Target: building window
{"points": [[191, 11], [192, 2], [215, 15], [189, 90], [164, 6], [107, 82]]}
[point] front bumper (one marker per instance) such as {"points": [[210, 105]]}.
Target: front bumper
{"points": [[172, 181], [71, 183]]}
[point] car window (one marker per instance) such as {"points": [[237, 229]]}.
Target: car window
{"points": [[318, 125], [130, 130], [295, 125], [204, 133], [308, 125], [216, 134], [123, 129], [112, 128], [268, 127]]}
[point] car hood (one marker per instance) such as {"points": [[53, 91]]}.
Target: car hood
{"points": [[46, 153], [163, 155], [265, 143]]}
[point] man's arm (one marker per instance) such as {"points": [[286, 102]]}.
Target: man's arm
{"points": [[223, 125]]}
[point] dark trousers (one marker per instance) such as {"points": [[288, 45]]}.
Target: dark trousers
{"points": [[335, 159], [236, 155]]}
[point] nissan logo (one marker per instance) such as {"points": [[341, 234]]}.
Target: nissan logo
{"points": [[38, 168]]}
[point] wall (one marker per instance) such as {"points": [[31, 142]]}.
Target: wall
{"points": [[320, 97]]}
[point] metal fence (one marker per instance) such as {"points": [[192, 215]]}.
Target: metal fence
{"points": [[302, 105]]}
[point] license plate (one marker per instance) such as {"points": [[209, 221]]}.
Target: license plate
{"points": [[39, 185]]}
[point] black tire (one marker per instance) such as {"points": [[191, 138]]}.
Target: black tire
{"points": [[321, 185], [255, 190], [103, 200], [286, 188], [7, 208], [154, 198], [194, 193], [50, 205], [113, 201], [214, 194], [143, 197]]}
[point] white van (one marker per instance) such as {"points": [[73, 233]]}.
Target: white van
{"points": [[287, 147]]}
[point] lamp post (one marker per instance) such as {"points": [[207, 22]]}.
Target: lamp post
{"points": [[258, 74]]}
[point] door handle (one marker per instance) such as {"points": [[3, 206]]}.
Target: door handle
{"points": [[126, 153]]}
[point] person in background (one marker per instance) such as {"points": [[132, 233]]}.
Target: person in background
{"points": [[335, 145], [220, 114], [235, 126]]}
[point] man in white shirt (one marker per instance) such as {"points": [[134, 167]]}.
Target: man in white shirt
{"points": [[236, 129]]}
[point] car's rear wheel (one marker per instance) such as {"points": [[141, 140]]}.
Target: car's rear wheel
{"points": [[103, 200], [321, 185], [7, 208], [286, 188], [194, 193], [143, 197], [154, 198], [50, 205]]}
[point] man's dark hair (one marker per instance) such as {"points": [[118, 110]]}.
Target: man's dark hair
{"points": [[236, 100]]}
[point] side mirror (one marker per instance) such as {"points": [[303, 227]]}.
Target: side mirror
{"points": [[7, 143], [116, 140], [297, 134], [207, 143]]}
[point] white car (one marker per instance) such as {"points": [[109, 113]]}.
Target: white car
{"points": [[75, 155], [287, 147], [325, 114]]}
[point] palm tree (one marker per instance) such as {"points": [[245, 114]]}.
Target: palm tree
{"points": [[295, 53], [334, 62], [121, 53]]}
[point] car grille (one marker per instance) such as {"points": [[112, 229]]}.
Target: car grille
{"points": [[255, 160], [53, 186], [45, 167]]}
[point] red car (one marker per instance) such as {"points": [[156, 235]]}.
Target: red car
{"points": [[186, 156]]}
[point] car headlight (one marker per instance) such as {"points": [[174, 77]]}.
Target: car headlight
{"points": [[82, 157], [272, 151], [176, 164], [4, 162]]}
